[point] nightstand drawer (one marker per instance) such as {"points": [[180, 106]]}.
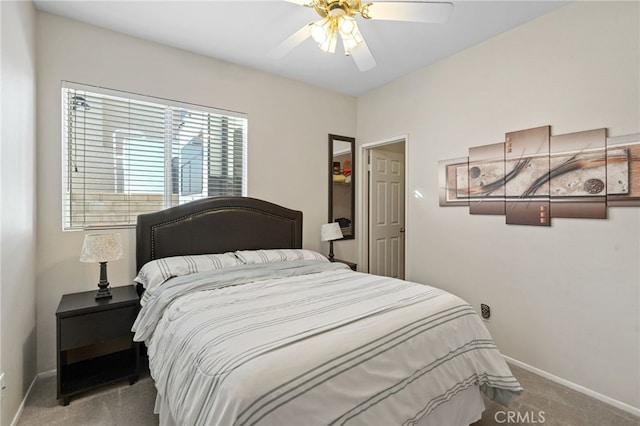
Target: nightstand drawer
{"points": [[91, 328]]}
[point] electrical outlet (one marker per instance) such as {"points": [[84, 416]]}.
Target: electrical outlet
{"points": [[485, 312]]}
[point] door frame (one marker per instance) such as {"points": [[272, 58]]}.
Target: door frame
{"points": [[362, 202]]}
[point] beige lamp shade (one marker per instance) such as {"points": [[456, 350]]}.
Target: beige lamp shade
{"points": [[101, 248], [330, 232]]}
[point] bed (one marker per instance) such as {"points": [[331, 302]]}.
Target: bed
{"points": [[243, 326]]}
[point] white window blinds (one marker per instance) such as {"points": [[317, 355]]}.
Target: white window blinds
{"points": [[126, 154]]}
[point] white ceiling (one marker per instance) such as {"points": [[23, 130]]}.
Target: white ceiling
{"points": [[243, 32]]}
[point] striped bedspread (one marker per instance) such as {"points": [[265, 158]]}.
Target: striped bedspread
{"points": [[313, 343]]}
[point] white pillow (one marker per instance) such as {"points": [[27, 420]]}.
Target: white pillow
{"points": [[157, 271], [278, 255]]}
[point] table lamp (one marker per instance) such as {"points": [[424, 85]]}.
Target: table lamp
{"points": [[330, 232], [101, 248]]}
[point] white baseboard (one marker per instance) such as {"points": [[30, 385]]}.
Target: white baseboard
{"points": [[576, 387], [42, 375], [14, 422], [49, 373]]}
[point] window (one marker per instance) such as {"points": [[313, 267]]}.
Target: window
{"points": [[127, 154]]}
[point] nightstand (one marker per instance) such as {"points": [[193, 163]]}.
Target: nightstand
{"points": [[94, 340], [353, 266]]}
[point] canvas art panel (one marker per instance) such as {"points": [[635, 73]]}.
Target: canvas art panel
{"points": [[534, 176]]}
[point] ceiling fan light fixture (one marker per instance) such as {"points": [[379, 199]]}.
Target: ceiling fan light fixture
{"points": [[348, 44], [338, 18], [325, 33], [347, 24], [319, 30], [351, 35], [329, 44]]}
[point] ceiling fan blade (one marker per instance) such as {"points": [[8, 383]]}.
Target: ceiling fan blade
{"points": [[411, 11], [363, 58], [290, 42]]}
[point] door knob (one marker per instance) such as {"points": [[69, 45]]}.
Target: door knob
{"points": [[402, 229]]}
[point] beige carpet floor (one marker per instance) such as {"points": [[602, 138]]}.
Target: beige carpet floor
{"points": [[542, 403]]}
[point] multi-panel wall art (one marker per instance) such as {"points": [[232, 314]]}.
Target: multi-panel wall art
{"points": [[534, 176]]}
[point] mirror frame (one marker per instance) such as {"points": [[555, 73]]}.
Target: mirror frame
{"points": [[352, 142]]}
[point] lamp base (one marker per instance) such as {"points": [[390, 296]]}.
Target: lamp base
{"points": [[104, 292], [330, 251]]}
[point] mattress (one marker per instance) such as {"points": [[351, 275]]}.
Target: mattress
{"points": [[308, 342]]}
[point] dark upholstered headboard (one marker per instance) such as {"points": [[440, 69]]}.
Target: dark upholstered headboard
{"points": [[216, 225]]}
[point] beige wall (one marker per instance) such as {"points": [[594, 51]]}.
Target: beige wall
{"points": [[17, 203], [288, 127], [565, 299]]}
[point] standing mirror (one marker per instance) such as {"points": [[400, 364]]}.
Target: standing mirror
{"points": [[342, 183]]}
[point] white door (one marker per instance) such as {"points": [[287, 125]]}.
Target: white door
{"points": [[386, 222]]}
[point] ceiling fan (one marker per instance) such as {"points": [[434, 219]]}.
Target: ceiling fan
{"points": [[338, 17]]}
